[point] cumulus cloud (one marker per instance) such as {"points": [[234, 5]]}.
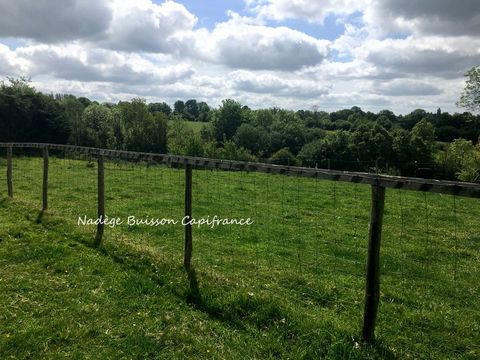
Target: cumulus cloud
{"points": [[412, 52], [441, 17], [238, 43], [74, 62], [406, 87], [10, 63], [270, 84], [314, 11], [436, 56], [53, 21], [142, 25]]}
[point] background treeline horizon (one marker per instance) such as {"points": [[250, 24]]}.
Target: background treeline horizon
{"points": [[439, 144]]}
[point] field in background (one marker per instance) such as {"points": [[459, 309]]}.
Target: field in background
{"points": [[196, 126], [291, 285]]}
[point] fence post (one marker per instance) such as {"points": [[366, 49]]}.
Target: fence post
{"points": [[45, 179], [101, 201], [372, 288], [9, 172], [188, 213]]}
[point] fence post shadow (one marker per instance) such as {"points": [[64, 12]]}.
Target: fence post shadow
{"points": [[193, 295], [40, 215]]}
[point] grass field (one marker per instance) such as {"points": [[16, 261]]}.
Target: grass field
{"points": [[196, 126], [289, 286]]}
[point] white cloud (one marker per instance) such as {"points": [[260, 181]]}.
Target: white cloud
{"points": [[434, 56], [74, 62], [142, 25], [10, 63], [250, 82], [241, 44], [406, 87], [118, 49], [314, 11]]}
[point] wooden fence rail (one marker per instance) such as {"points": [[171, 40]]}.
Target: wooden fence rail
{"points": [[377, 182], [396, 182]]}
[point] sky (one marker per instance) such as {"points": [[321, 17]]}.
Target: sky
{"points": [[296, 54]]}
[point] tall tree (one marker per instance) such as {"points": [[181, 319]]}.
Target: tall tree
{"points": [[227, 120], [470, 97], [191, 110], [179, 107]]}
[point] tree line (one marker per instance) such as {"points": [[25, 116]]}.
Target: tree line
{"points": [[420, 143]]}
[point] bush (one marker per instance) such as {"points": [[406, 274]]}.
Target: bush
{"points": [[284, 157]]}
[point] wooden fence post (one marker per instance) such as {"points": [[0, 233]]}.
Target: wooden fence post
{"points": [[9, 172], [372, 288], [188, 213], [101, 201], [45, 180]]}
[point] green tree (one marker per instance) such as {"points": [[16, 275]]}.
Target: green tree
{"points": [[163, 108], [73, 110], [227, 120], [191, 110], [284, 157], [30, 116], [179, 107], [230, 151], [144, 131], [371, 142], [253, 138], [470, 97], [460, 160], [179, 137], [204, 111], [96, 128], [422, 140]]}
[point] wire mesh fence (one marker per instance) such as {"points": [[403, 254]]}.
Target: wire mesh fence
{"points": [[306, 246]]}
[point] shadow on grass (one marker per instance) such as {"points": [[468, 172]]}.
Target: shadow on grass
{"points": [[234, 309], [378, 348], [40, 215], [193, 295]]}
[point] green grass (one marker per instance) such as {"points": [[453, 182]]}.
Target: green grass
{"points": [[196, 126], [289, 286]]}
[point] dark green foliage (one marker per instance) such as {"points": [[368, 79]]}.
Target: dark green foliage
{"points": [[255, 139], [284, 157], [179, 107], [423, 141], [27, 115], [163, 108], [96, 127], [191, 111], [144, 131], [227, 120], [230, 151]]}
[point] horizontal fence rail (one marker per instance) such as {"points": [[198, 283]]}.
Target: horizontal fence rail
{"points": [[387, 181]]}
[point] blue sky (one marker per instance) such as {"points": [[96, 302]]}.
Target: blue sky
{"points": [[300, 54], [210, 12]]}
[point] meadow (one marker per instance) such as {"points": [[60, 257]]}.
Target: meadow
{"points": [[289, 286]]}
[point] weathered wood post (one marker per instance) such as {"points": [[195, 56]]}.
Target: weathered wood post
{"points": [[101, 201], [9, 172], [372, 288], [188, 213], [45, 180]]}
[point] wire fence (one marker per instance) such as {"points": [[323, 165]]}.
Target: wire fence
{"points": [[307, 246]]}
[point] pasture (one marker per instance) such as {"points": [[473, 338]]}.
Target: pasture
{"points": [[291, 285]]}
